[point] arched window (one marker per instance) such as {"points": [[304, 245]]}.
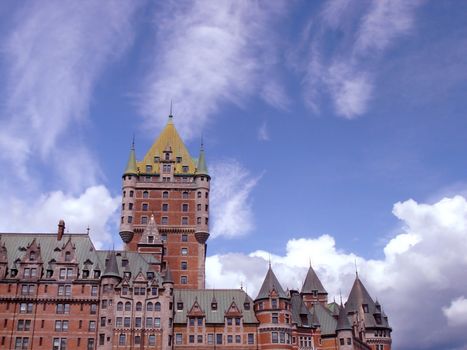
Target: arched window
{"points": [[67, 256], [157, 306], [127, 306], [145, 194], [139, 306], [165, 194], [199, 194], [120, 306], [149, 306]]}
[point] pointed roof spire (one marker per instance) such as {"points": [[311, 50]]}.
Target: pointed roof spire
{"points": [[131, 168], [312, 282], [359, 296], [111, 265], [201, 168], [151, 230], [170, 120], [271, 283], [343, 323]]}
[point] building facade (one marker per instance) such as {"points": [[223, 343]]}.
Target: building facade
{"points": [[58, 292]]}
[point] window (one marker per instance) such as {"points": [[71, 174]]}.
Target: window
{"points": [[184, 238], [127, 322], [184, 220], [164, 220], [274, 338], [130, 206], [59, 344], [192, 321], [246, 306], [101, 339], [206, 220], [218, 338], [118, 322], [184, 265], [145, 194], [90, 344], [122, 339], [179, 306], [179, 159], [199, 339], [145, 207], [349, 341], [178, 338], [104, 304], [237, 321], [157, 322], [365, 308], [238, 339], [93, 309], [251, 338], [130, 219], [185, 169], [139, 306], [156, 159], [198, 220], [184, 251], [214, 305], [148, 322], [229, 321], [275, 318], [191, 338], [138, 322], [200, 321], [23, 325], [127, 306], [132, 193], [183, 279], [154, 290], [144, 220], [185, 194], [166, 168], [63, 308], [151, 340], [198, 207], [149, 168], [198, 194], [184, 207], [157, 306], [94, 291], [165, 207], [67, 256], [274, 303], [282, 337], [92, 326]]}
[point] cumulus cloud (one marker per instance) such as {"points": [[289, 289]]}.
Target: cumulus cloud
{"points": [[347, 72], [94, 208], [209, 53], [231, 207], [53, 57], [456, 312], [420, 277]]}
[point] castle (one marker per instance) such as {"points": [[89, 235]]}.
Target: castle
{"points": [[58, 292]]}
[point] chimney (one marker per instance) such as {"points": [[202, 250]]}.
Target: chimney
{"points": [[61, 230]]}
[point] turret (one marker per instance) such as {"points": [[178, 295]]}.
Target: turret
{"points": [[273, 311], [128, 197], [344, 331], [313, 290], [202, 180]]}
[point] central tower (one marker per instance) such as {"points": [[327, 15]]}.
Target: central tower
{"points": [[168, 189]]}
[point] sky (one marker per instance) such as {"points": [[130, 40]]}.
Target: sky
{"points": [[335, 132]]}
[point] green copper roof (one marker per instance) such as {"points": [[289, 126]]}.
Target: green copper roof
{"points": [[201, 168], [131, 166]]}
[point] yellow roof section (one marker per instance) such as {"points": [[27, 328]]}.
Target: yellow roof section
{"points": [[169, 139]]}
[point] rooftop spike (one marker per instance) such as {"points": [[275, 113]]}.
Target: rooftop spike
{"points": [[131, 168], [201, 168]]}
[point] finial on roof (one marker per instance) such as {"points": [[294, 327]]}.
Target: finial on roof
{"points": [[340, 295], [269, 259], [170, 114], [356, 269], [87, 230], [133, 142], [131, 167]]}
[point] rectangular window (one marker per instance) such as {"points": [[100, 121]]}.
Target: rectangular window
{"points": [[184, 251], [274, 338], [183, 280], [118, 322], [191, 339], [275, 318], [230, 339], [164, 220], [218, 338], [185, 207], [127, 322], [157, 322], [94, 291], [178, 338], [210, 338], [90, 344], [93, 309], [122, 339], [101, 339], [238, 339], [183, 265], [184, 220], [138, 322], [165, 207], [251, 338], [137, 340], [229, 321], [151, 340], [199, 339], [92, 326]]}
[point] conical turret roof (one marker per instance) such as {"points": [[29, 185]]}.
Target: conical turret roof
{"points": [[201, 168], [111, 266], [131, 168], [343, 323], [271, 283], [312, 283], [359, 296]]}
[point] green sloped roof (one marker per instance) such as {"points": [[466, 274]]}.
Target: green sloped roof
{"points": [[299, 308], [204, 297], [327, 322], [270, 282]]}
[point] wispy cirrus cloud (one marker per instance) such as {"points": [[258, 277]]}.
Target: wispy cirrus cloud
{"points": [[209, 53], [231, 206], [346, 72], [421, 274], [54, 54]]}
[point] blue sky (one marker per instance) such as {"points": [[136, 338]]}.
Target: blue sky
{"points": [[334, 131]]}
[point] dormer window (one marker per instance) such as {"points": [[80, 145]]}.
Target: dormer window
{"points": [[85, 273], [179, 159], [274, 303], [214, 306], [14, 272], [49, 273], [149, 168], [150, 275], [150, 239], [32, 256], [365, 308], [246, 306], [127, 274], [124, 262], [156, 159], [185, 168], [167, 155], [67, 256], [97, 273], [179, 306], [166, 168]]}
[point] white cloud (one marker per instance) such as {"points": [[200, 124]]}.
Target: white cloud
{"points": [[231, 209], [95, 207], [456, 312], [209, 53], [54, 55], [263, 132], [347, 72], [422, 271]]}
